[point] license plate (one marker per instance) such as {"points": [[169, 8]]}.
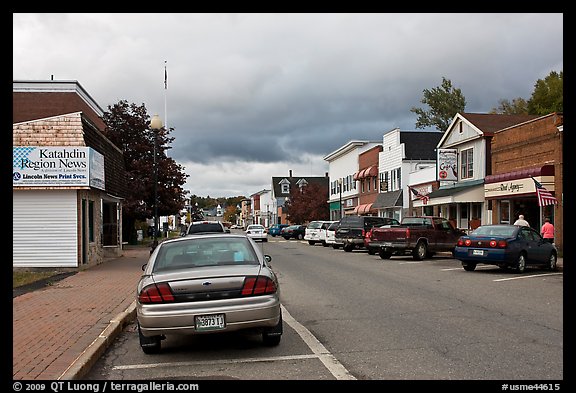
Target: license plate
{"points": [[387, 244], [210, 322], [478, 252]]}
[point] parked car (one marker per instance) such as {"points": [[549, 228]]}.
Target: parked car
{"points": [[276, 229], [207, 284], [507, 246], [331, 235], [257, 232], [198, 227], [316, 232], [294, 232], [352, 229], [419, 236]]}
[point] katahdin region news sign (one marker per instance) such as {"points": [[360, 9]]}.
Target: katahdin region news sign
{"points": [[57, 166]]}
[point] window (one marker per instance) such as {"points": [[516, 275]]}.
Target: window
{"points": [[91, 221], [285, 189], [466, 163], [505, 212]]}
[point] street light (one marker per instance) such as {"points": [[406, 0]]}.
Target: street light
{"points": [[340, 189], [155, 125]]}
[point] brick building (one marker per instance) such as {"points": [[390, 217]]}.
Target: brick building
{"points": [[519, 154], [367, 176], [69, 180]]}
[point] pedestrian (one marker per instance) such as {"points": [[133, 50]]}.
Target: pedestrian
{"points": [[547, 231], [521, 221]]}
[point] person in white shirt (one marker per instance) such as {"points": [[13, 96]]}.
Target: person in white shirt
{"points": [[521, 221]]}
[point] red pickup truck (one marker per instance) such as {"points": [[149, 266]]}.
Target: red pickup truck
{"points": [[420, 236]]}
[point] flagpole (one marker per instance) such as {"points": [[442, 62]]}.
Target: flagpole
{"points": [[165, 95]]}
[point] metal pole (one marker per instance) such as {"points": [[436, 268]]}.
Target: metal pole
{"points": [[156, 226], [340, 189]]}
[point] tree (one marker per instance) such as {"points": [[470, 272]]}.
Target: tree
{"points": [[127, 126], [518, 106], [307, 203], [231, 213], [444, 103], [548, 95]]}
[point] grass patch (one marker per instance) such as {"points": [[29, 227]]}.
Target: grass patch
{"points": [[20, 278]]}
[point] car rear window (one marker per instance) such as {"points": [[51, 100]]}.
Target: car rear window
{"points": [[205, 227], [201, 252], [315, 225]]}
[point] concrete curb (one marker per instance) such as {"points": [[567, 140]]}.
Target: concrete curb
{"points": [[82, 365]]}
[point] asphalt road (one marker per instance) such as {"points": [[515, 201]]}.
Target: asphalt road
{"points": [[356, 316]]}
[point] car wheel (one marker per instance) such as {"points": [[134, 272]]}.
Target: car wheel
{"points": [[149, 345], [286, 237], [335, 246], [348, 247], [552, 262], [371, 251], [300, 237], [385, 254], [420, 251], [311, 242], [264, 240], [521, 263], [324, 244], [271, 338], [469, 266]]}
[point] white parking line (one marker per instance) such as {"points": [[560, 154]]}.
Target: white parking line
{"points": [[527, 276], [461, 268], [330, 362]]}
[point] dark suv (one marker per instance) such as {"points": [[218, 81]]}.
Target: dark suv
{"points": [[199, 227], [352, 229]]}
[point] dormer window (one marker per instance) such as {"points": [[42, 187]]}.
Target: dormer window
{"points": [[284, 186]]}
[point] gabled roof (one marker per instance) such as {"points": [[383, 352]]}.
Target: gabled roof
{"points": [[420, 145], [487, 123]]}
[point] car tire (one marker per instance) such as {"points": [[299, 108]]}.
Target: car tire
{"points": [[149, 345], [385, 254], [286, 237], [272, 337], [552, 262], [371, 251], [469, 266], [420, 251], [300, 237], [324, 244], [311, 242], [521, 263], [349, 247], [335, 246], [265, 240]]}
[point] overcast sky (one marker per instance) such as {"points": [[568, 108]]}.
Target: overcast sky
{"points": [[251, 96]]}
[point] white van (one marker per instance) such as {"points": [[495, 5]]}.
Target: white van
{"points": [[316, 232]]}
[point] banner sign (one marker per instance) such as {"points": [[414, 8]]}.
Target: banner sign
{"points": [[447, 165], [56, 166]]}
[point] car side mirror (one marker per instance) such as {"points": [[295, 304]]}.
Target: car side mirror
{"points": [[227, 231], [268, 258], [144, 267]]}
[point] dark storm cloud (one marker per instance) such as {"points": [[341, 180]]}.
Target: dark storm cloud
{"points": [[251, 96]]}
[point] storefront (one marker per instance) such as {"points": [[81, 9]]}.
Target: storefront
{"points": [[514, 193]]}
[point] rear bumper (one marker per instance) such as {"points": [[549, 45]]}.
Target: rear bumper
{"points": [[258, 312]]}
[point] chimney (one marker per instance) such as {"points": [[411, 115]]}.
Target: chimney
{"points": [[290, 172], [326, 174]]}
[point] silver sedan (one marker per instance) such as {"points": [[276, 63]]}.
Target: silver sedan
{"points": [[207, 284]]}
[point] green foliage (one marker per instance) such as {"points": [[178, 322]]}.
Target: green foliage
{"points": [[548, 95], [444, 102], [518, 106]]}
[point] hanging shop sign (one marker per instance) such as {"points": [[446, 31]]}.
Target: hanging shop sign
{"points": [[447, 165], [57, 166]]}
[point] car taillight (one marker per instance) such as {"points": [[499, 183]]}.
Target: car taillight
{"points": [[363, 233], [502, 244], [258, 286], [156, 293], [407, 233], [467, 242]]}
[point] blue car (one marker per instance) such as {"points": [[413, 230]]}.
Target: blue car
{"points": [[276, 229], [507, 246]]}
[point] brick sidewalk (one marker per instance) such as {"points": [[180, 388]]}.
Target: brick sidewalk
{"points": [[53, 327]]}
